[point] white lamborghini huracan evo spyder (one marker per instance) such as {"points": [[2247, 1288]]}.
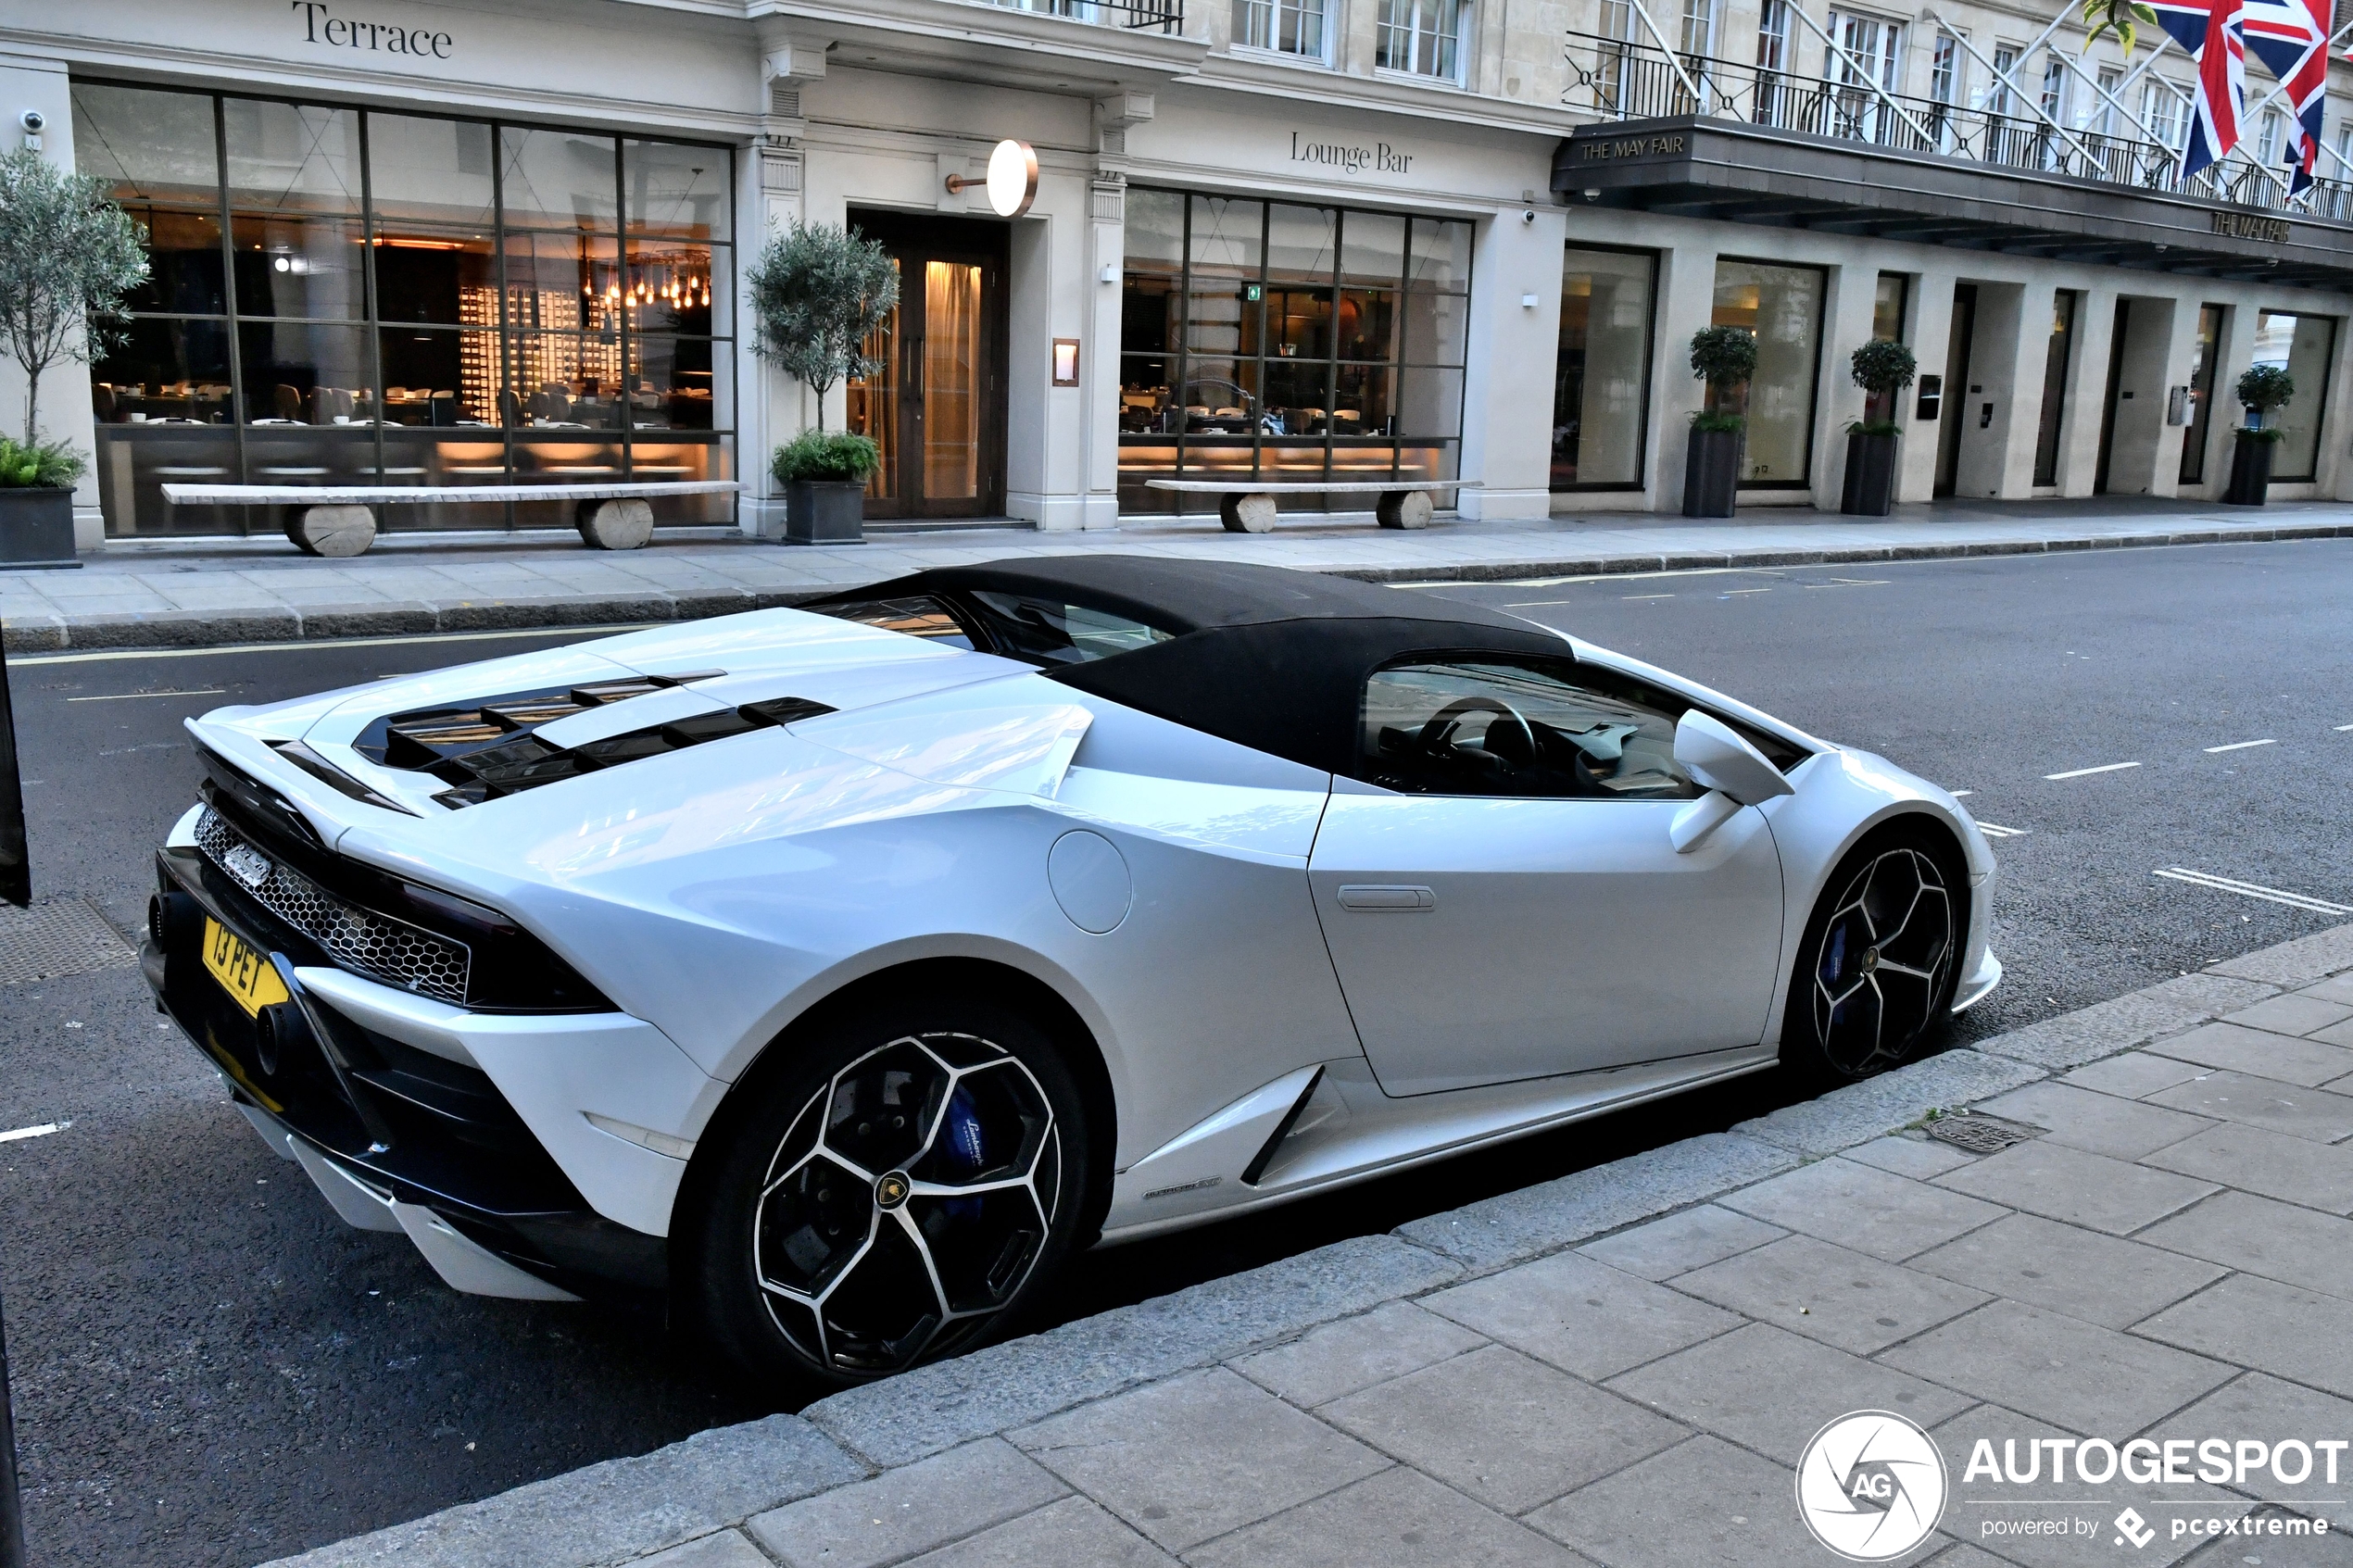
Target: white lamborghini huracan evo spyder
{"points": [[838, 971]]}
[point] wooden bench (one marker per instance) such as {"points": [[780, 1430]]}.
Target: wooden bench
{"points": [[1247, 505], [339, 519]]}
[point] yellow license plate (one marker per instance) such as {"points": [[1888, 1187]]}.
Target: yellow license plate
{"points": [[244, 974]]}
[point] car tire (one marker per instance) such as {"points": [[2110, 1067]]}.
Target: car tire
{"points": [[894, 1185], [1873, 982]]}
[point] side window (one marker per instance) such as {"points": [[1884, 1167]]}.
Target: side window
{"points": [[1053, 631], [921, 616], [1501, 728]]}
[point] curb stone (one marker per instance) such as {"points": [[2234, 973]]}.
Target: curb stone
{"points": [[685, 1500], [196, 627], [618, 1510]]}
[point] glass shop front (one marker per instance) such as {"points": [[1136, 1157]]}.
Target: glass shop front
{"points": [[357, 296]]}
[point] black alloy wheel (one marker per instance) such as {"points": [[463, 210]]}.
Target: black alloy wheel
{"points": [[1876, 969], [893, 1199]]}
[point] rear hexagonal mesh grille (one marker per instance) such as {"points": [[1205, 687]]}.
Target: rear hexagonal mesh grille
{"points": [[377, 945]]}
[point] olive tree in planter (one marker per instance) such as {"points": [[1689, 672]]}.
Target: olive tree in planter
{"points": [[1725, 358], [817, 295], [68, 256], [1881, 369], [824, 475], [2262, 389]]}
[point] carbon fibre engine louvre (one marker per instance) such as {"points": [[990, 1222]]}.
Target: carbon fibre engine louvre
{"points": [[492, 748]]}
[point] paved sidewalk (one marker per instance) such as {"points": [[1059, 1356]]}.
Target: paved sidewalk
{"points": [[1622, 1367], [212, 593]]}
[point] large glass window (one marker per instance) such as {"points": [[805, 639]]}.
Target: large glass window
{"points": [[1286, 341], [2194, 440], [2056, 357], [2304, 347], [347, 294], [1601, 384], [1783, 307]]}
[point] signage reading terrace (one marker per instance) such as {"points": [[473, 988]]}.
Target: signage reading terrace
{"points": [[2247, 226], [388, 38], [1632, 146], [1380, 157]]}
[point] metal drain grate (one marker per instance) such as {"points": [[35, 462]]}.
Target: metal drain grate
{"points": [[1980, 1135], [55, 938]]}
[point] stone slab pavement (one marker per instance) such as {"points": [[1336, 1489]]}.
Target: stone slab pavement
{"points": [[215, 593], [1621, 1368]]}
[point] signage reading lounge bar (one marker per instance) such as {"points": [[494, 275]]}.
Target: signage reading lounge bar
{"points": [[2248, 225]]}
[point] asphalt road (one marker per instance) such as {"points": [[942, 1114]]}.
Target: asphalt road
{"points": [[210, 1370]]}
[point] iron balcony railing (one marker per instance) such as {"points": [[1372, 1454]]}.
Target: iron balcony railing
{"points": [[1157, 15], [1619, 79]]}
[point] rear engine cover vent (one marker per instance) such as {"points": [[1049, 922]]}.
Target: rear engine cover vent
{"points": [[493, 750]]}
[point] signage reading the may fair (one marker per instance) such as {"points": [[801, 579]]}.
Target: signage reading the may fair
{"points": [[1350, 159], [320, 25], [1630, 147], [2247, 226]]}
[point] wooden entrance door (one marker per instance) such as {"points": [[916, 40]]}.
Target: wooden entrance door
{"points": [[935, 403]]}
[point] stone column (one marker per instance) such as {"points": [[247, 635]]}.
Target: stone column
{"points": [[1513, 345], [1686, 303], [1929, 333]]}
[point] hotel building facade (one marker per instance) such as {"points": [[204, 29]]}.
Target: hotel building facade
{"points": [[439, 244]]}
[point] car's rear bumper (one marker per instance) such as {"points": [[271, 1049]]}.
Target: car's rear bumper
{"points": [[396, 1138]]}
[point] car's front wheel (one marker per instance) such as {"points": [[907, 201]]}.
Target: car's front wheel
{"points": [[893, 1192], [1875, 971]]}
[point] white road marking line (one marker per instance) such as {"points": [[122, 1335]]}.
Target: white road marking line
{"points": [[1851, 583], [125, 697], [42, 1131], [2239, 746], [1645, 595], [1958, 793], [2253, 890], [1995, 830], [1729, 592], [315, 645], [2086, 773], [2342, 728]]}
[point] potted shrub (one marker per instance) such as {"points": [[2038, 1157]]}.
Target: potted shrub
{"points": [[817, 295], [1881, 369], [36, 503], [1725, 358], [2262, 389], [68, 256], [823, 475]]}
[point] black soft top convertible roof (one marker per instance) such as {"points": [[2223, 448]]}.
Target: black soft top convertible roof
{"points": [[1271, 659]]}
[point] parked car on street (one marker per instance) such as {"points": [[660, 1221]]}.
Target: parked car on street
{"points": [[838, 971]]}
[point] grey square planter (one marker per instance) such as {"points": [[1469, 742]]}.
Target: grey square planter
{"points": [[1870, 474], [825, 511], [36, 527], [1712, 474], [2250, 471]]}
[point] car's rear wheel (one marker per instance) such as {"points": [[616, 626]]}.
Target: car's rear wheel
{"points": [[894, 1195], [1875, 971]]}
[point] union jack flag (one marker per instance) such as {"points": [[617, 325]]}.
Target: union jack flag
{"points": [[2208, 32], [2290, 37]]}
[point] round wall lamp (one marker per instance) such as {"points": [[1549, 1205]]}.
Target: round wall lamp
{"points": [[1011, 179]]}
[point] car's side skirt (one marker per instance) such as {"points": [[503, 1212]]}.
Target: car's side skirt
{"points": [[1351, 1132]]}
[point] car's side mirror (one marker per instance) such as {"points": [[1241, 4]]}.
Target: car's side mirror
{"points": [[1714, 753], [1735, 772]]}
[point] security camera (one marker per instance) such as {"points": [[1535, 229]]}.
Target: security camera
{"points": [[1528, 217], [33, 119]]}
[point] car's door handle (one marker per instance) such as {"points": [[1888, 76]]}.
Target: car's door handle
{"points": [[1387, 900]]}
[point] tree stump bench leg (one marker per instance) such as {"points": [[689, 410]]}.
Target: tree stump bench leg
{"points": [[332, 531], [1246, 513], [1404, 509], [623, 522]]}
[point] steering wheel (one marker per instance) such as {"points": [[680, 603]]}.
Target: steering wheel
{"points": [[1436, 734]]}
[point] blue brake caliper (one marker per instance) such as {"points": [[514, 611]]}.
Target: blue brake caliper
{"points": [[965, 1151]]}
